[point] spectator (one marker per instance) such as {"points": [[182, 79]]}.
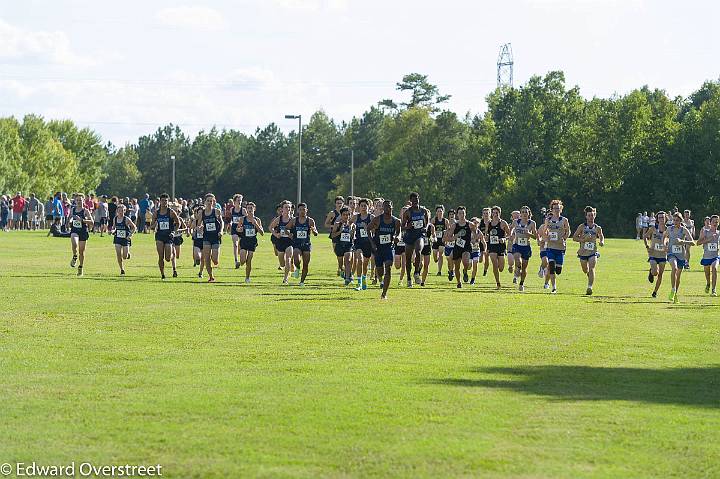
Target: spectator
{"points": [[144, 206], [4, 212], [34, 207], [18, 205]]}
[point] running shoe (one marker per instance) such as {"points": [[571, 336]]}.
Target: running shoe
{"points": [[122, 271], [588, 291], [654, 294], [671, 296], [174, 274], [554, 291], [713, 293], [707, 289], [364, 283], [546, 286], [73, 261], [651, 278], [237, 265], [472, 280], [439, 273], [80, 271], [409, 283], [514, 279], [521, 288], [296, 273], [675, 299], [465, 277], [301, 284], [247, 280], [459, 286]]}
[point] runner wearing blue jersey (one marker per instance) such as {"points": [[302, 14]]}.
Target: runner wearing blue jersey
{"points": [[301, 227], [385, 231]]}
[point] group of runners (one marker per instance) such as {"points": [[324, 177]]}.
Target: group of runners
{"points": [[370, 241]]}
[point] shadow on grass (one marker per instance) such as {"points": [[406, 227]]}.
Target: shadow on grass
{"points": [[681, 386]]}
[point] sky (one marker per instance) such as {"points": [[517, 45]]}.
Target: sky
{"points": [[126, 68]]}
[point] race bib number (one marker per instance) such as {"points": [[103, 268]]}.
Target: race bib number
{"points": [[301, 234], [438, 234], [460, 242], [677, 249], [363, 232], [199, 234], [164, 225], [283, 233], [120, 233], [235, 220], [385, 239], [712, 246], [418, 224], [659, 247], [475, 246], [210, 226], [494, 240], [522, 241], [553, 236], [345, 237], [249, 232], [450, 244], [401, 243], [589, 245], [77, 224]]}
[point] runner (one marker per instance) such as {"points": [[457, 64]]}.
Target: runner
{"points": [[679, 239], [657, 250], [514, 216], [249, 226], [273, 239], [80, 222], [178, 236], [589, 235], [197, 235], [542, 244], [462, 235], [415, 220], [709, 240], [213, 227], [377, 209], [235, 213], [385, 230], [477, 248], [330, 220], [363, 248], [344, 231], [164, 222], [484, 222], [523, 230], [690, 225], [441, 224], [558, 231], [426, 252], [449, 241], [497, 232], [123, 227], [283, 242], [300, 229]]}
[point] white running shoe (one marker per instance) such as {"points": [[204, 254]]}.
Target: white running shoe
{"points": [[247, 280], [301, 284], [546, 286], [521, 288]]}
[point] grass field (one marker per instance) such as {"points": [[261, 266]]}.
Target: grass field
{"points": [[261, 380]]}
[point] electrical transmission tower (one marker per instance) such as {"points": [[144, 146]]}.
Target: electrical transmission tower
{"points": [[505, 67]]}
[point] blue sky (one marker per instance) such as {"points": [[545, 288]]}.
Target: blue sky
{"points": [[125, 68]]}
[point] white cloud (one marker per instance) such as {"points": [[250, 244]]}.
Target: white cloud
{"points": [[19, 45], [313, 5], [193, 17]]}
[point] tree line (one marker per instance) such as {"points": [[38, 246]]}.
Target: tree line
{"points": [[542, 140]]}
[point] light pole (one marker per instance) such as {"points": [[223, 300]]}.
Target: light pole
{"points": [[172, 157], [299, 119]]}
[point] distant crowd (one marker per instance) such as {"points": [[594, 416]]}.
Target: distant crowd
{"points": [[21, 212]]}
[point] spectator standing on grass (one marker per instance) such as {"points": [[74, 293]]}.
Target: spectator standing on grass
{"points": [[34, 209], [144, 206], [48, 212], [4, 212], [18, 205]]}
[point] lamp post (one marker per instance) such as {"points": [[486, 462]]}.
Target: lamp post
{"points": [[299, 187], [172, 157]]}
